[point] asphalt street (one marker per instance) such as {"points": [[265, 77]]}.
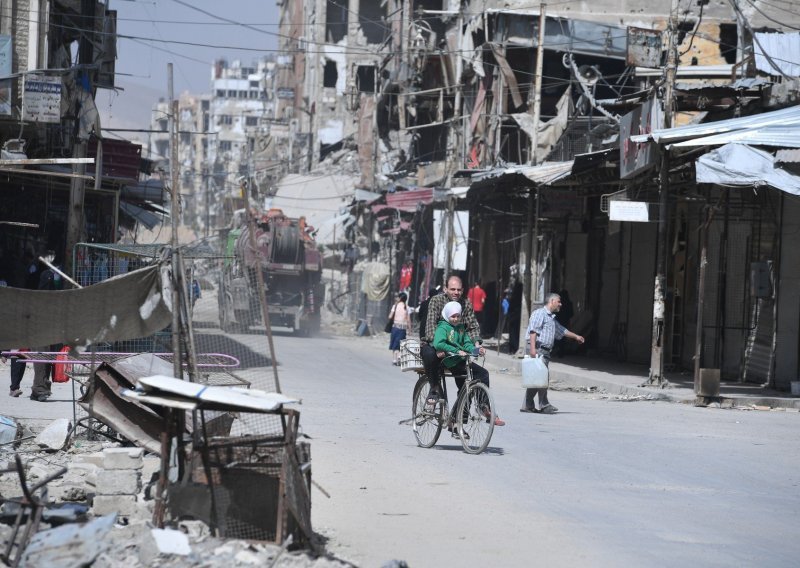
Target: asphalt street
{"points": [[601, 483]]}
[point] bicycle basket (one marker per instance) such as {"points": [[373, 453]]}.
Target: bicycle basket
{"points": [[410, 359]]}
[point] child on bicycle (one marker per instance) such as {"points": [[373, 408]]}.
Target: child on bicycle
{"points": [[451, 338]]}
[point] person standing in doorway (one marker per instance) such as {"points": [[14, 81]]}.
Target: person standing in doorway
{"points": [[543, 331], [399, 317], [477, 297]]}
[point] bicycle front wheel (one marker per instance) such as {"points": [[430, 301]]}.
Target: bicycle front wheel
{"points": [[427, 419], [477, 413]]}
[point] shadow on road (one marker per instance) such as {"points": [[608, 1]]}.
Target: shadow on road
{"points": [[220, 343], [491, 450]]}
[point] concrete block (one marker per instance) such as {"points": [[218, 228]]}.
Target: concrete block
{"points": [[118, 482], [122, 458], [56, 435], [95, 458], [124, 505], [162, 542]]}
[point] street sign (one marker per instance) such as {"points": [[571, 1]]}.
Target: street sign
{"points": [[644, 48], [42, 99], [632, 211]]}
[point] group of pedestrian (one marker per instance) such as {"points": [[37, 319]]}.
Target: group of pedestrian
{"points": [[451, 325]]}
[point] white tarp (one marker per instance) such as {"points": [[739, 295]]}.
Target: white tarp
{"points": [[742, 165]]}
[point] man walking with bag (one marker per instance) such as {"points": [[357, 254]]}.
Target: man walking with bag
{"points": [[543, 331]]}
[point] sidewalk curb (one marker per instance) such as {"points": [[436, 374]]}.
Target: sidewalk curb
{"points": [[560, 378]]}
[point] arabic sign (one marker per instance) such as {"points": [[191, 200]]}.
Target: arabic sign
{"points": [[644, 48], [5, 70], [637, 157], [636, 211], [285, 92], [42, 99]]}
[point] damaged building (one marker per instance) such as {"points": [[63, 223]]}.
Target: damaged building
{"points": [[64, 181], [505, 130]]}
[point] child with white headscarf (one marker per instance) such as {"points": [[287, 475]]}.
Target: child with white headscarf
{"points": [[451, 337]]}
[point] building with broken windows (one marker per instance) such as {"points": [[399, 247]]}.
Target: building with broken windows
{"points": [[497, 133], [63, 181]]}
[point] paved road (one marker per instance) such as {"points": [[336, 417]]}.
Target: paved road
{"points": [[601, 483]]}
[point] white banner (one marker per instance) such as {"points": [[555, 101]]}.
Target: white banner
{"points": [[458, 258]]}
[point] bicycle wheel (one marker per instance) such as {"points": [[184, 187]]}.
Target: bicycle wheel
{"points": [[427, 421], [476, 409]]}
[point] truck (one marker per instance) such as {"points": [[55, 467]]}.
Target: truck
{"points": [[291, 265]]}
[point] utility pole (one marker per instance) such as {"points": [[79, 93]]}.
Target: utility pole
{"points": [[77, 188], [659, 335], [530, 247], [177, 367]]}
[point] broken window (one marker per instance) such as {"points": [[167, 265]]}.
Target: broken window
{"points": [[365, 79], [335, 20], [330, 74], [728, 42], [430, 144], [251, 121], [225, 146], [437, 24], [372, 19]]}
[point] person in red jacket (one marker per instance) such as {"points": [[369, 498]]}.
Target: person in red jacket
{"points": [[477, 297]]}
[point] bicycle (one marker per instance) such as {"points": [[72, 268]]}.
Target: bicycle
{"points": [[474, 404]]}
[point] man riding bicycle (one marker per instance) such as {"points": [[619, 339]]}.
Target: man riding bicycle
{"points": [[431, 358]]}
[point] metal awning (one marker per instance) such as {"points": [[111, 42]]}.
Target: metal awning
{"points": [[785, 117], [776, 136], [145, 190], [543, 174], [410, 199], [143, 216]]}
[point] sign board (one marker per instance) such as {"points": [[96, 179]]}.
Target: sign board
{"points": [[644, 48], [285, 93], [5, 71], [633, 211], [458, 254], [42, 99], [635, 158]]}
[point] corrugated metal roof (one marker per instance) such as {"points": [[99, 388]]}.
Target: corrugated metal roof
{"points": [[784, 117], [775, 136], [408, 200], [787, 157], [746, 83], [543, 174]]}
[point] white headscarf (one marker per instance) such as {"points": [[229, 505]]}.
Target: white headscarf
{"points": [[451, 308]]}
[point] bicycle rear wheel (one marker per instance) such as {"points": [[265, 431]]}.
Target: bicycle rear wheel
{"points": [[476, 409], [427, 420]]}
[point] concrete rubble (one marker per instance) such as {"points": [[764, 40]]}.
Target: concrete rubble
{"points": [[115, 486], [56, 435]]}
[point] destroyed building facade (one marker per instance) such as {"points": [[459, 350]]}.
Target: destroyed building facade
{"points": [[439, 103]]}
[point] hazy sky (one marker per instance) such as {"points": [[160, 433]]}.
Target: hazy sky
{"points": [[142, 63]]}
